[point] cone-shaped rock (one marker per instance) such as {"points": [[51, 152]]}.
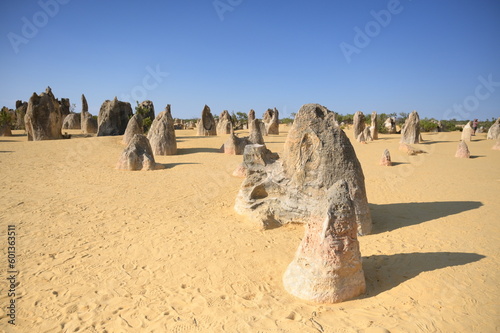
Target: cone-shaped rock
{"points": [[224, 126], [410, 133], [327, 267], [271, 121], [206, 125], [161, 135], [72, 121], [251, 118], [358, 124], [137, 156], [88, 123], [317, 154], [386, 158], [134, 127], [462, 150], [374, 126], [43, 119], [494, 131], [467, 132], [255, 132], [113, 117]]}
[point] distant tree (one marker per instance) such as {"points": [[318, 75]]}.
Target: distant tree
{"points": [[5, 117], [144, 113]]}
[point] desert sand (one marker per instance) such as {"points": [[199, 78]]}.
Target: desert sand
{"points": [[102, 250]]}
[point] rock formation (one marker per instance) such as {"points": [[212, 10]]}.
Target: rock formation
{"points": [[467, 132], [410, 133], [251, 118], [206, 125], [374, 126], [224, 126], [72, 121], [494, 131], [386, 158], [367, 134], [21, 108], [43, 119], [137, 156], [88, 123], [149, 109], [113, 117], [255, 132], [317, 154], [134, 127], [358, 123], [390, 125], [235, 145], [161, 135], [327, 266], [271, 122], [361, 137], [462, 150], [65, 107], [409, 149]]}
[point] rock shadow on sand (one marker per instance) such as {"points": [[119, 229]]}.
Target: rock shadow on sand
{"points": [[384, 272], [186, 151], [394, 216]]}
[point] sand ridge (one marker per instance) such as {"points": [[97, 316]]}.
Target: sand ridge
{"points": [[102, 250]]}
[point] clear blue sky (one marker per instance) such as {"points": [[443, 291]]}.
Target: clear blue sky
{"points": [[427, 55]]}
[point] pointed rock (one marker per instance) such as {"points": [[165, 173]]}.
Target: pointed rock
{"points": [[134, 127], [386, 158], [206, 125], [359, 125], [224, 126], [462, 150], [251, 118], [374, 126], [494, 131], [162, 134], [410, 133], [467, 132], [271, 121]]}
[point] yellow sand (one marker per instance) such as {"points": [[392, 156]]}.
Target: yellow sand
{"points": [[101, 250]]}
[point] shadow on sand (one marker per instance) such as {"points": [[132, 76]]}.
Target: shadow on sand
{"points": [[161, 166], [186, 151], [393, 216], [384, 272]]}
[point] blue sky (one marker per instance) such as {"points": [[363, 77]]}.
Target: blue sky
{"points": [[441, 58]]}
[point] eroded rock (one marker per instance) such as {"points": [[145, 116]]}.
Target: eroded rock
{"points": [[462, 150], [359, 125], [224, 126], [161, 135], [494, 131], [410, 133], [271, 122], [374, 126], [113, 117], [72, 121], [386, 158], [206, 125], [44, 117], [138, 155], [467, 132], [134, 127]]}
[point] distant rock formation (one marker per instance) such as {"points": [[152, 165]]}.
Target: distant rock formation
{"points": [[88, 123], [494, 131], [113, 117], [206, 125], [367, 134], [386, 158], [358, 124], [72, 121], [390, 125], [134, 127], [317, 154], [374, 126], [137, 156], [251, 118], [150, 109], [462, 150], [410, 133], [161, 135], [327, 266], [224, 126], [467, 132], [65, 107], [255, 136], [44, 117], [271, 122]]}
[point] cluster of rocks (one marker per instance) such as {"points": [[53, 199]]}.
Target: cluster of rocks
{"points": [[236, 145], [317, 181], [363, 133]]}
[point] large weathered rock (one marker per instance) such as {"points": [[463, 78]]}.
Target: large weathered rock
{"points": [[462, 150], [467, 132], [161, 135], [235, 145], [374, 126], [255, 132], [134, 127], [271, 122], [43, 119], [113, 117], [358, 123], [137, 156], [390, 125], [317, 154], [21, 108], [88, 123], [494, 131], [386, 158], [206, 125], [327, 266], [410, 133], [72, 121], [225, 125], [251, 118]]}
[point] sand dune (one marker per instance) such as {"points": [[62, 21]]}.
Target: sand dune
{"points": [[102, 250]]}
